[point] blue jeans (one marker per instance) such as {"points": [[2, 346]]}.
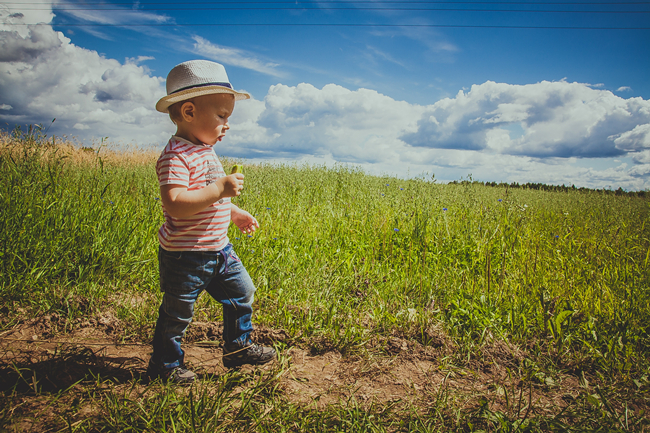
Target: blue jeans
{"points": [[183, 276]]}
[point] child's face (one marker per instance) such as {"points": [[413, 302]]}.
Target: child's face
{"points": [[208, 122]]}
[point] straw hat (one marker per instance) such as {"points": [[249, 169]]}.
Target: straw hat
{"points": [[196, 78]]}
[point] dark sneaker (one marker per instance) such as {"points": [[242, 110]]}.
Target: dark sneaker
{"points": [[254, 354], [178, 375]]}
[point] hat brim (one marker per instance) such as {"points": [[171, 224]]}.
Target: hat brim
{"points": [[164, 103]]}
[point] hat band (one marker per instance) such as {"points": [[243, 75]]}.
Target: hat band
{"points": [[228, 85]]}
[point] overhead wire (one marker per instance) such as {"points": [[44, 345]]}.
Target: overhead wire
{"points": [[183, 8], [354, 2], [345, 25], [311, 6]]}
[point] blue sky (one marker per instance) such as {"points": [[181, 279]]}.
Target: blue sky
{"points": [[554, 92]]}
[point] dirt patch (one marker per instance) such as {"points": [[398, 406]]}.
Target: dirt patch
{"points": [[58, 363], [397, 369], [42, 356]]}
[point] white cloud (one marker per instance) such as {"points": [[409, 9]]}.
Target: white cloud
{"points": [[431, 39], [495, 131], [624, 89], [636, 140], [382, 55], [110, 14], [44, 76], [351, 126], [557, 119], [138, 60], [15, 20], [366, 128], [17, 48], [233, 56]]}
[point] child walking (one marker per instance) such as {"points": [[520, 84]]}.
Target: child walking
{"points": [[195, 254]]}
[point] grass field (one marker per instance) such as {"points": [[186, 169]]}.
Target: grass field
{"points": [[510, 309]]}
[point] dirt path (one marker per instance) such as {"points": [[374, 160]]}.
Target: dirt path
{"points": [[403, 372], [324, 377], [409, 371]]}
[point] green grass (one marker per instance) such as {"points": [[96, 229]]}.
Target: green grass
{"points": [[341, 259]]}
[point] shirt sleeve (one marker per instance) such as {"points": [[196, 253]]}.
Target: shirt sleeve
{"points": [[173, 169]]}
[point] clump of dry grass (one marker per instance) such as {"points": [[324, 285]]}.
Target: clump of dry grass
{"points": [[72, 152]]}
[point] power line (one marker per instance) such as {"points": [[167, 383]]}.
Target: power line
{"points": [[355, 2], [345, 25], [183, 8]]}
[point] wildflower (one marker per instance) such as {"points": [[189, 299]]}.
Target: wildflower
{"points": [[444, 209], [236, 239], [268, 208], [499, 200], [557, 236], [382, 194], [388, 184], [275, 239], [401, 189], [157, 198], [250, 236], [396, 230]]}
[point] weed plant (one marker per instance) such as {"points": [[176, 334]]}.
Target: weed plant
{"points": [[344, 261]]}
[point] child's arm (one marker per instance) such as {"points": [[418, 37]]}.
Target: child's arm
{"points": [[181, 203], [243, 220]]}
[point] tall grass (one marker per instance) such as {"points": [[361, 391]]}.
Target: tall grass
{"points": [[343, 257], [73, 222], [566, 270]]}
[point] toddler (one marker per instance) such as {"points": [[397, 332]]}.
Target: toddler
{"points": [[194, 253]]}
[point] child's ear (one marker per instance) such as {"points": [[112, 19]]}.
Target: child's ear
{"points": [[188, 111]]}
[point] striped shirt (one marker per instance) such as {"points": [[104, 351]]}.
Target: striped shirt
{"points": [[194, 167]]}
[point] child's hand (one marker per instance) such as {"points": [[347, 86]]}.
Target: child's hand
{"points": [[244, 221], [232, 185]]}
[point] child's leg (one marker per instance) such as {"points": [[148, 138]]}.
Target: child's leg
{"points": [[235, 290], [174, 315], [183, 276]]}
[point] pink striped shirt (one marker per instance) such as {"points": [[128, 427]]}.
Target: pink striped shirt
{"points": [[195, 167]]}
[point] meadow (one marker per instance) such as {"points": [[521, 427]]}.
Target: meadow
{"points": [[538, 301]]}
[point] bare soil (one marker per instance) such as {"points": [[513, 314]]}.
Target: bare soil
{"points": [[393, 369]]}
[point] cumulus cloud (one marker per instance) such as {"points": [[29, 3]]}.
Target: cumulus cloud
{"points": [[16, 48], [43, 75], [554, 119], [532, 133], [351, 126], [535, 133], [636, 140], [13, 20]]}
